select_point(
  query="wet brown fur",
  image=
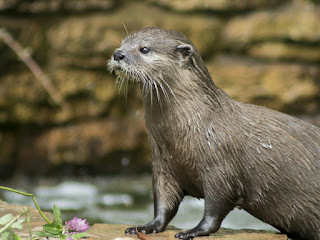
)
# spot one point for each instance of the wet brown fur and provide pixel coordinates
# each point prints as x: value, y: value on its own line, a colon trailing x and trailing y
x: 206, y: 145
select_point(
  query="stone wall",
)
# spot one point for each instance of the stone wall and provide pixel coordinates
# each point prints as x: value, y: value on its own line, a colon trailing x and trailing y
x: 265, y: 52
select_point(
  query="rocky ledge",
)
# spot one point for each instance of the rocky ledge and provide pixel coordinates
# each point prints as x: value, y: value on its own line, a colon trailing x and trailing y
x: 116, y: 232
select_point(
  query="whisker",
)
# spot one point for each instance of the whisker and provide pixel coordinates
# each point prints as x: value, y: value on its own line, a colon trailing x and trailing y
x: 126, y: 91
x: 121, y: 82
x: 153, y: 83
x: 150, y: 86
x: 157, y: 91
x: 163, y: 91
x: 168, y: 86
x: 125, y: 28
x: 150, y: 91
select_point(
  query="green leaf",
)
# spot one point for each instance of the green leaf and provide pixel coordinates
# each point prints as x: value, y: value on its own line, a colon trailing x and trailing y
x: 79, y: 235
x: 57, y: 215
x: 53, y: 228
x: 46, y: 234
x: 18, y: 224
x: 7, y: 235
x: 40, y: 234
x: 6, y: 218
x: 16, y: 237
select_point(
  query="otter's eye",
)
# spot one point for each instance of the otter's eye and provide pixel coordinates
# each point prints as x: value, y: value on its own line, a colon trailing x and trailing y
x: 144, y: 50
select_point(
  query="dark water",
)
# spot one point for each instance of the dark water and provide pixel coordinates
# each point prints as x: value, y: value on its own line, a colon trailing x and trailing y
x: 117, y: 200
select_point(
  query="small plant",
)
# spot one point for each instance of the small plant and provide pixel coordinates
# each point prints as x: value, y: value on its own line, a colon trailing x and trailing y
x: 73, y: 229
x: 9, y: 222
x: 76, y: 226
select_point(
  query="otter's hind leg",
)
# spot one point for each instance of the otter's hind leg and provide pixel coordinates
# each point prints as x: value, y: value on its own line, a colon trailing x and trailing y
x: 214, y: 213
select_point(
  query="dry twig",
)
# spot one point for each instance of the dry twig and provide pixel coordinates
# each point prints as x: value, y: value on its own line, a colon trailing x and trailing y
x: 142, y: 236
x: 34, y: 68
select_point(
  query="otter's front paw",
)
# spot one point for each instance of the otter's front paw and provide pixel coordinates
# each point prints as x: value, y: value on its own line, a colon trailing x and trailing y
x: 192, y: 233
x: 143, y: 229
x: 186, y: 235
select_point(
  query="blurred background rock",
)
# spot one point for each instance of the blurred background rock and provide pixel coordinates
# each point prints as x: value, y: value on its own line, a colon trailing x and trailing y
x: 265, y: 52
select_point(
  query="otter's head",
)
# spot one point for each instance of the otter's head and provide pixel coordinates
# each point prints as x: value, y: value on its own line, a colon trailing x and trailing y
x: 157, y: 58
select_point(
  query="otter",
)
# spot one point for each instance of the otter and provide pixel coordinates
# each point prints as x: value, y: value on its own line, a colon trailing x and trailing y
x: 207, y: 145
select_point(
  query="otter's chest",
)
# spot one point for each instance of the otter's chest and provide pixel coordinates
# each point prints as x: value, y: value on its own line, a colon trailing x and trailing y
x: 180, y: 153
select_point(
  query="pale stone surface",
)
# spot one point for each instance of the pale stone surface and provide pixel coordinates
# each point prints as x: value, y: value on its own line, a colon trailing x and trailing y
x: 113, y: 232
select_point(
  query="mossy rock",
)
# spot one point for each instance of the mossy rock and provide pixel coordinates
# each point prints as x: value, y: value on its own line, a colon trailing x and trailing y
x: 297, y: 23
x: 44, y: 6
x: 285, y: 51
x: 281, y: 86
x: 88, y: 41
x: 220, y: 5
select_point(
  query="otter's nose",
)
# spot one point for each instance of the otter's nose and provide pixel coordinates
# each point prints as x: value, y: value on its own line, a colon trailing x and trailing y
x: 118, y: 55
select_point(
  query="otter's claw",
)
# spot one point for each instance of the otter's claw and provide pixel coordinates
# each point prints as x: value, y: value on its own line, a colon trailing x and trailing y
x: 142, y: 229
x: 185, y: 235
x: 131, y: 230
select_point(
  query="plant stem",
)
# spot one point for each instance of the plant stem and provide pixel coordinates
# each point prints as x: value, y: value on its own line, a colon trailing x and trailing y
x: 29, y: 195
x: 34, y: 68
x: 12, y: 222
x: 28, y: 222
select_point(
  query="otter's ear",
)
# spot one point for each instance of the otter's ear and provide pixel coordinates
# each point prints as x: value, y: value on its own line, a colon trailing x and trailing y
x: 184, y: 51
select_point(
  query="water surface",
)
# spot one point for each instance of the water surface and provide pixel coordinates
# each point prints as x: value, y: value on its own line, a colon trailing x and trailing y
x: 117, y: 200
